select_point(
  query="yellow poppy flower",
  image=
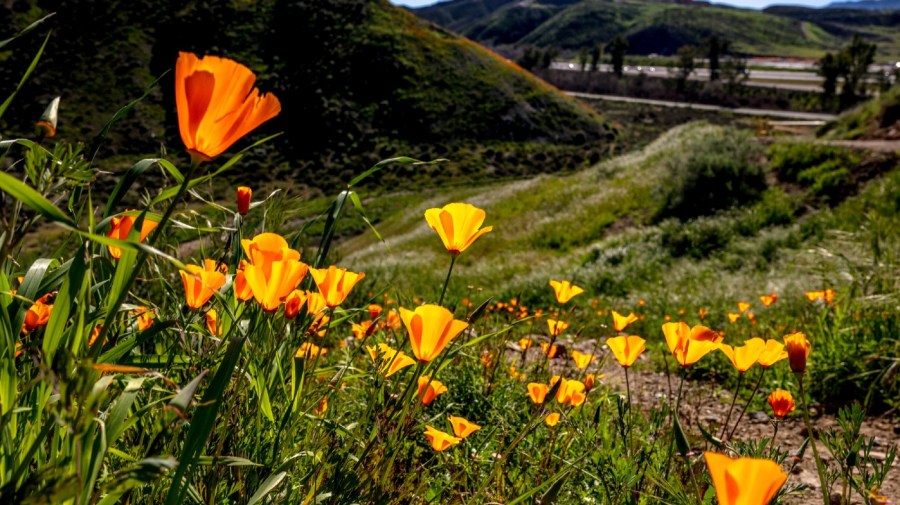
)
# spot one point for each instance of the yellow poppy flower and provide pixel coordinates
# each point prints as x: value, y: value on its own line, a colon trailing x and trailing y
x: 621, y: 322
x: 798, y: 348
x: 745, y: 356
x: 431, y: 328
x: 744, y: 481
x: 688, y: 345
x: 463, y: 428
x: 565, y: 291
x: 430, y: 389
x: 335, y: 283
x: 457, y: 224
x: 439, y: 440
x: 626, y: 349
x: 201, y: 283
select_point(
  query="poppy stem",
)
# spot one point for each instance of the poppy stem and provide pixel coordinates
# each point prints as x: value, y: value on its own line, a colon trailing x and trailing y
x: 747, y: 406
x: 674, y: 413
x: 820, y: 468
x: 447, y: 280
x: 733, y: 401
x: 627, y: 414
x: 775, y: 433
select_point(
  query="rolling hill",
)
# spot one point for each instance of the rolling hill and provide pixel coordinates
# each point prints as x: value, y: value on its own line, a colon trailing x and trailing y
x: 360, y: 80
x: 650, y: 26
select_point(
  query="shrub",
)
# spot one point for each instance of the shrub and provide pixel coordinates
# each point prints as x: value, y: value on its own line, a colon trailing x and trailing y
x: 696, y: 239
x: 714, y: 171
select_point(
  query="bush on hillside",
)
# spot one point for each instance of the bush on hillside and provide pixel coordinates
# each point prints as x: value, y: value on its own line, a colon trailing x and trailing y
x: 825, y: 170
x: 717, y: 170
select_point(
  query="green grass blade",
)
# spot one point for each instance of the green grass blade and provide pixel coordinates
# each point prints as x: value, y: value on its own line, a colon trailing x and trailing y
x: 34, y: 62
x: 33, y: 200
x: 26, y: 30
x: 202, y: 422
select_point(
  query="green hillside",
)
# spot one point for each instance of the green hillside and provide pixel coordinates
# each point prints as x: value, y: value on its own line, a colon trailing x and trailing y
x: 652, y: 26
x: 360, y: 81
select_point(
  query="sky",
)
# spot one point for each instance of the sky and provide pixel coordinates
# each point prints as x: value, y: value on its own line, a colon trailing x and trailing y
x: 753, y: 4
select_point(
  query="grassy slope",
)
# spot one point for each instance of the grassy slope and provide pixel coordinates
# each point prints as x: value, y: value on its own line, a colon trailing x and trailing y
x: 651, y: 27
x: 372, y: 81
x: 870, y: 120
x: 593, y: 227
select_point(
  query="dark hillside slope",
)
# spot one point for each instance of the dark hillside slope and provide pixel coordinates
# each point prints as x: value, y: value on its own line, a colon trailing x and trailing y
x: 360, y: 80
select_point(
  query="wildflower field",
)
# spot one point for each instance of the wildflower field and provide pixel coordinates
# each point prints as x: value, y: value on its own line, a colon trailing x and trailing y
x: 174, y: 348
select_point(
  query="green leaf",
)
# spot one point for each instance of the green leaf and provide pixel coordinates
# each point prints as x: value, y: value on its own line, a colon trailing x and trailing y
x: 182, y: 400
x: 65, y: 300
x: 34, y: 62
x: 403, y: 160
x: 266, y: 487
x: 681, y: 441
x: 126, y: 180
x: 202, y: 422
x: 33, y: 200
x: 354, y: 198
x: 32, y: 26
x: 98, y: 140
x: 478, y: 312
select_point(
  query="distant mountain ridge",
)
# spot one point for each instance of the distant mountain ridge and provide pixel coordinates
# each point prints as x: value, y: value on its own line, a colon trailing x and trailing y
x: 881, y: 5
x: 659, y: 27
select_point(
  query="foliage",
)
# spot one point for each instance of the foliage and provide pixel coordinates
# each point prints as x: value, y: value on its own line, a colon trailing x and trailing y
x: 716, y: 171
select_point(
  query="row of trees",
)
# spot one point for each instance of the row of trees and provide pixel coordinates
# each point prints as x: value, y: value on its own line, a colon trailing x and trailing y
x: 850, y: 64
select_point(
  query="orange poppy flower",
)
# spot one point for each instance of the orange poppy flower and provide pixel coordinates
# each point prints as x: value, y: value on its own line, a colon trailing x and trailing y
x: 19, y: 349
x: 552, y: 419
x: 565, y: 291
x: 744, y: 481
x: 374, y: 310
x: 525, y: 343
x: 273, y: 281
x: 733, y: 317
x: 362, y: 329
x: 768, y: 300
x: 439, y: 440
x: 688, y: 345
x: 703, y: 313
x: 212, y: 322
x: 144, y: 318
x: 310, y: 350
x: 335, y: 283
x: 556, y: 327
x: 430, y: 389
x: 217, y: 103
x: 589, y: 381
x: 826, y: 296
x: 621, y: 322
x: 743, y: 307
x: 773, y: 353
x: 242, y: 290
x: 570, y: 391
x: 201, y: 283
x: 745, y: 356
x: 537, y: 392
x: 782, y: 403
x: 244, y: 195
x: 431, y: 328
x: 582, y: 360
x: 457, y: 224
x: 463, y: 428
x: 626, y: 349
x: 95, y: 334
x: 293, y: 303
x: 549, y: 350
x: 321, y: 408
x: 120, y: 228
x: 393, y: 361
x: 38, y: 315
x: 798, y: 348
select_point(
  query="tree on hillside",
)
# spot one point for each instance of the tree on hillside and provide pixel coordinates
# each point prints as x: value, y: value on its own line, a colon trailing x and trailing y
x: 583, y: 58
x: 829, y: 69
x: 856, y: 59
x: 596, y: 56
x: 617, y: 47
x: 530, y: 58
x: 547, y: 58
x: 713, y: 50
x: 734, y: 71
x: 686, y: 66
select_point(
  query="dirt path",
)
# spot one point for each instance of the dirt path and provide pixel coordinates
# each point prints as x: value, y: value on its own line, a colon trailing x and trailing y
x: 881, y: 146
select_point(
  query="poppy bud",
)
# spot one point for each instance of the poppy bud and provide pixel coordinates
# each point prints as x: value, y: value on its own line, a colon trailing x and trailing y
x: 47, y: 124
x: 797, y: 347
x: 244, y: 194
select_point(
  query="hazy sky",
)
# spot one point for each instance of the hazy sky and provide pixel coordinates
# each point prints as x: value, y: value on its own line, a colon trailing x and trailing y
x: 755, y: 4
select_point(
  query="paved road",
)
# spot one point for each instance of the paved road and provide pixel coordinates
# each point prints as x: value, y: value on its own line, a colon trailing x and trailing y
x: 799, y: 81
x: 806, y: 116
